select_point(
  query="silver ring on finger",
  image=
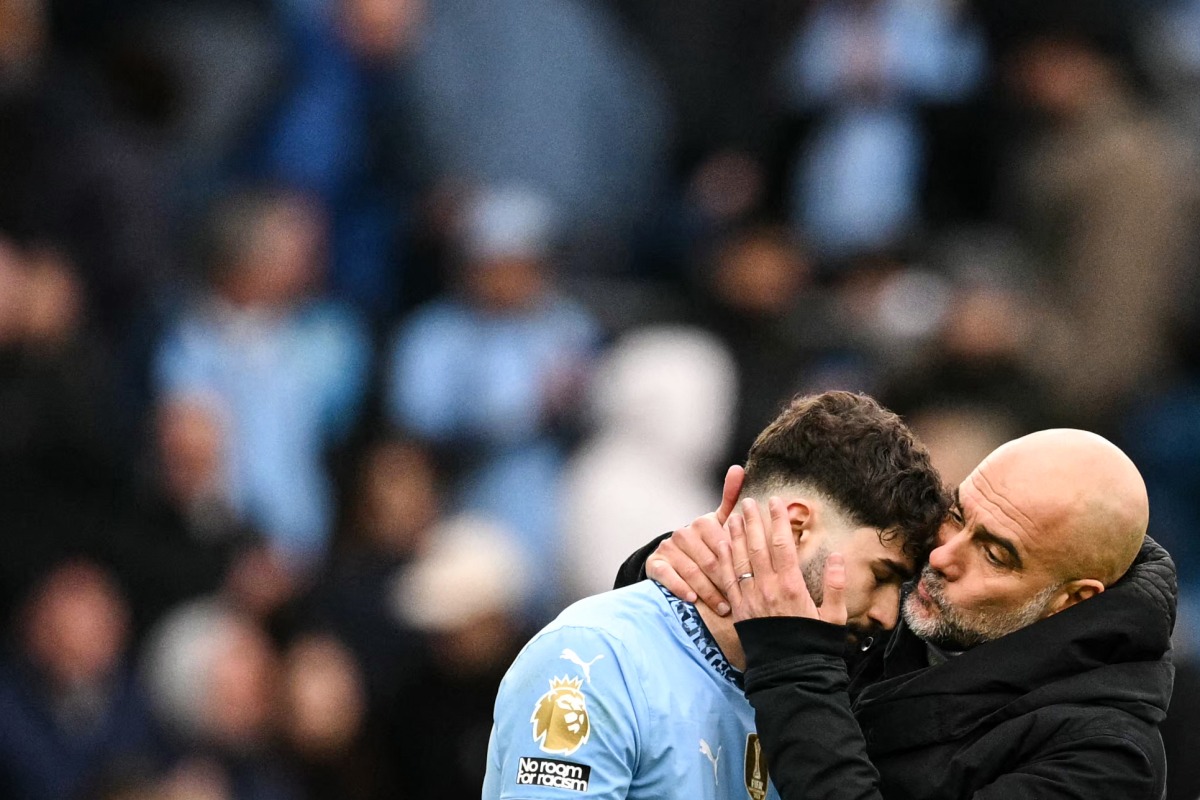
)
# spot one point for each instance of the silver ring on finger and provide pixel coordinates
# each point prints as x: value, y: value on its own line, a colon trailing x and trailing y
x: 744, y: 576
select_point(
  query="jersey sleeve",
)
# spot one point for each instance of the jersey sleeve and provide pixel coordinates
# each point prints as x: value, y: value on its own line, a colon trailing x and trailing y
x: 567, y: 720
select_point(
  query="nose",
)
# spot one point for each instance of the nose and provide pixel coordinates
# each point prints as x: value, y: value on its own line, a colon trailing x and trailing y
x: 944, y: 557
x: 886, y: 609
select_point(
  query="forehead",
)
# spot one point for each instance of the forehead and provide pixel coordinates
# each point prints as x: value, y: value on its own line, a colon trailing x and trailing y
x: 1017, y: 508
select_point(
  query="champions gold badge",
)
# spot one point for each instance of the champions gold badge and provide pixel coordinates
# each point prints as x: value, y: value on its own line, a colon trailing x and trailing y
x: 756, y: 768
x: 560, y: 718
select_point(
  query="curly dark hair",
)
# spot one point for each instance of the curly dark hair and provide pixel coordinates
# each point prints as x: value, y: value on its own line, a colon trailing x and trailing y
x: 857, y: 454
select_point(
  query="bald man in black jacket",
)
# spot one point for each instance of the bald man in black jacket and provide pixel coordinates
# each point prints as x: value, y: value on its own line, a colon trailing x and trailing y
x: 1032, y: 660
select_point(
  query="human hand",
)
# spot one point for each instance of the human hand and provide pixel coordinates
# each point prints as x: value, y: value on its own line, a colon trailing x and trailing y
x: 686, y: 564
x: 760, y: 572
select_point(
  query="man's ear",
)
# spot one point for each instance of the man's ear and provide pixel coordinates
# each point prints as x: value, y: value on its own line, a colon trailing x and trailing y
x: 803, y: 518
x: 1074, y: 592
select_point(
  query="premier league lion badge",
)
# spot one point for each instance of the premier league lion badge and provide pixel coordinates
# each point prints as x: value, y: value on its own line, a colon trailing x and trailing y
x: 560, y: 718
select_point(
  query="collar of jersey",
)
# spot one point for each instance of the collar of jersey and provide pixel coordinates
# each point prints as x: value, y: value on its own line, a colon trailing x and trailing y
x: 695, y: 629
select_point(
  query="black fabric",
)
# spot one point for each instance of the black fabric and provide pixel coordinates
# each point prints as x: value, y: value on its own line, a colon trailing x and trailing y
x: 1068, y: 707
x: 634, y: 569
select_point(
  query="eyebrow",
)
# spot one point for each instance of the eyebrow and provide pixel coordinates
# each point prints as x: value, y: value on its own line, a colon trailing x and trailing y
x: 898, y: 569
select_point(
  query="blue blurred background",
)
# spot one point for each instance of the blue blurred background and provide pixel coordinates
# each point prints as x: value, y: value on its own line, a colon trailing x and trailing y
x: 344, y: 342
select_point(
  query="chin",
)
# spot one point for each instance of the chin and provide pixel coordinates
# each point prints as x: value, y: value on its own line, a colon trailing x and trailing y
x: 915, y: 611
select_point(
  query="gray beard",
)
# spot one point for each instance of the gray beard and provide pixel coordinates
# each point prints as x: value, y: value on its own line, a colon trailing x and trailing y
x: 951, y: 628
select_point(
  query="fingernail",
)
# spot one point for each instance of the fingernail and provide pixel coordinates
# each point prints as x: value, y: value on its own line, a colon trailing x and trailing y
x: 722, y: 609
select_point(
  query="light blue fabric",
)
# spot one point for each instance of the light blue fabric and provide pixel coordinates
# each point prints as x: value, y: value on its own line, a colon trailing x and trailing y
x: 857, y: 187
x: 925, y: 52
x: 479, y: 383
x: 541, y: 93
x: 859, y: 181
x: 292, y: 384
x: 665, y: 717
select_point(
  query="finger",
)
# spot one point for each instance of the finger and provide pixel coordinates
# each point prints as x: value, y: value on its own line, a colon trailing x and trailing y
x: 659, y: 569
x: 729, y: 495
x: 699, y: 542
x: 783, y: 543
x: 737, y: 545
x: 833, y: 607
x: 733, y: 587
x: 674, y: 567
x: 697, y: 558
x: 756, y: 541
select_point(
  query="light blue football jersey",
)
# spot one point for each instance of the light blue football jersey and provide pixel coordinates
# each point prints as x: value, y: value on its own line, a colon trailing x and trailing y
x: 625, y: 695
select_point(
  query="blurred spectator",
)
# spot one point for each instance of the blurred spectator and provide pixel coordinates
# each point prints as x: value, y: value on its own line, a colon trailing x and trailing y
x: 1104, y: 193
x: 663, y: 408
x: 82, y: 168
x: 214, y: 677
x: 377, y: 655
x: 339, y: 133
x: 466, y: 593
x: 719, y: 64
x: 181, y: 534
x: 890, y: 308
x: 288, y: 370
x: 74, y: 715
x: 978, y: 358
x: 60, y: 461
x: 762, y: 301
x: 393, y: 507
x: 52, y: 379
x: 493, y: 374
x: 324, y: 717
x: 861, y: 71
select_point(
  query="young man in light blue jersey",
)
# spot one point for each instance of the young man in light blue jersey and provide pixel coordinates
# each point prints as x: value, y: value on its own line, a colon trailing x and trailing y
x: 636, y: 694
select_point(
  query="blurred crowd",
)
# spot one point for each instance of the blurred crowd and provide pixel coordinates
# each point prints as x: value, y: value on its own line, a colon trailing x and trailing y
x: 344, y: 342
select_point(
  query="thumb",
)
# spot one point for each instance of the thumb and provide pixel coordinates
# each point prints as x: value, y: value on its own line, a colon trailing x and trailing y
x: 833, y: 606
x: 729, y: 494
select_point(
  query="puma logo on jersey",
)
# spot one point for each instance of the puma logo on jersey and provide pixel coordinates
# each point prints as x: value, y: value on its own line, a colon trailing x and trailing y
x: 586, y: 666
x: 713, y: 759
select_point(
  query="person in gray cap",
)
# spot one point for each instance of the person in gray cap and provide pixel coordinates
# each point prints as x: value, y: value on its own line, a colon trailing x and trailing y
x: 489, y: 375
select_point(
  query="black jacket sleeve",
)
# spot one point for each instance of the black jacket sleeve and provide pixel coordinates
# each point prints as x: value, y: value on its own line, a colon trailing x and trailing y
x: 796, y: 680
x: 634, y: 568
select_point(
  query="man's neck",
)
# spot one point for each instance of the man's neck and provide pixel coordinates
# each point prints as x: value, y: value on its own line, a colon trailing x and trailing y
x: 723, y: 632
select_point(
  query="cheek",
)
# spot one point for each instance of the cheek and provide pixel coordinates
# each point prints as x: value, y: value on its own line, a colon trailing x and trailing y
x: 858, y: 597
x: 978, y: 592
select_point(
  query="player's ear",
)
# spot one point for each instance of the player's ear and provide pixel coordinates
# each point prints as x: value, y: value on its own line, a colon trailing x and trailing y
x: 802, y: 517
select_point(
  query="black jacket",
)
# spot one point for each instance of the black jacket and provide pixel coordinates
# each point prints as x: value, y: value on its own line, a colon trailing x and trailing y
x: 1068, y: 707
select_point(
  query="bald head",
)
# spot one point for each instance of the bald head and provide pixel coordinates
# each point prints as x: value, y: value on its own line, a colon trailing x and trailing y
x: 1082, y: 499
